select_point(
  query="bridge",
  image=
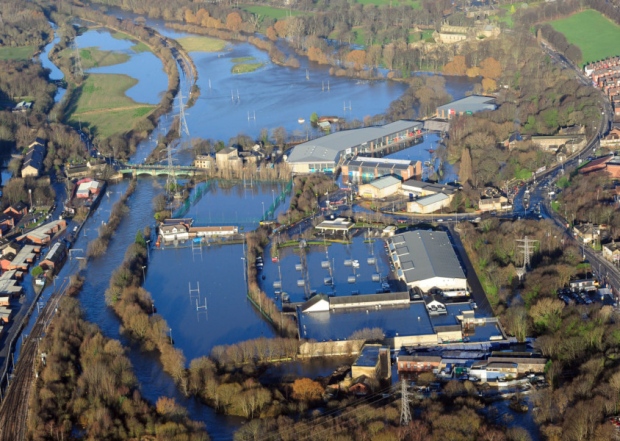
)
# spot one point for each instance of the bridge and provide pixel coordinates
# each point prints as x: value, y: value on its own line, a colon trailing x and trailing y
x: 160, y: 170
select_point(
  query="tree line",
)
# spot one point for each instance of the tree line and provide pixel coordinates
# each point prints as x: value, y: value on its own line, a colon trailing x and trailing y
x: 23, y: 24
x: 86, y: 384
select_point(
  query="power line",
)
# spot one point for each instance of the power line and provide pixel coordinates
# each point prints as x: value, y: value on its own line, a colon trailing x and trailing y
x: 182, y: 121
x: 79, y: 72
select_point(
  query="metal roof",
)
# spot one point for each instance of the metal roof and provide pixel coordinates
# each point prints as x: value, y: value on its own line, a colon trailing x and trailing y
x: 473, y: 103
x: 431, y: 199
x: 426, y: 254
x: 385, y: 182
x: 413, y: 184
x: 369, y: 356
x: 369, y: 298
x: 411, y: 319
x: 328, y: 148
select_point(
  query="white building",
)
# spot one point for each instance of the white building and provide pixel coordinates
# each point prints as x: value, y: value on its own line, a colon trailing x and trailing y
x: 426, y: 259
x: 429, y: 204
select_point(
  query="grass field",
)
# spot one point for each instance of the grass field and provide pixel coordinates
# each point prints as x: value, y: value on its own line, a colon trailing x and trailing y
x: 415, y: 4
x: 595, y: 35
x: 202, y: 44
x: 103, y: 106
x: 242, y: 59
x: 269, y: 11
x: 241, y: 68
x: 95, y: 57
x: 16, y: 53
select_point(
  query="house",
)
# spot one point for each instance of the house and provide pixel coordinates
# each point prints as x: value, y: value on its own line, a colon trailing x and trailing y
x: 55, y: 257
x: 612, y: 139
x: 8, y: 287
x: 20, y: 260
x: 611, y: 252
x: 43, y: 234
x: 204, y: 161
x: 554, y: 142
x: 360, y: 386
x: 513, y: 140
x: 17, y: 211
x: 429, y: 204
x: 174, y: 232
x: 6, y: 224
x: 526, y: 363
x: 32, y: 165
x: 5, y: 315
x: 90, y: 168
x: 373, y: 362
x: 228, y: 158
x: 416, y: 363
x: 380, y: 188
x: 588, y: 233
x: 490, y: 204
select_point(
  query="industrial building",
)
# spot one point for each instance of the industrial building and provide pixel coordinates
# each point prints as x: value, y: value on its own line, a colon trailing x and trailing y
x: 429, y: 204
x: 380, y: 188
x: 326, y: 153
x: 373, y: 362
x: 364, y: 169
x: 414, y: 188
x: 426, y: 259
x: 466, y: 106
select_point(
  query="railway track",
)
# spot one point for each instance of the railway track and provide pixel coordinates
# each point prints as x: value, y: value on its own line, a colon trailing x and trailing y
x: 14, y: 407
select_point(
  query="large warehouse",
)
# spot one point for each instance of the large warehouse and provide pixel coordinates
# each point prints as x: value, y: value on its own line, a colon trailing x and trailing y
x: 426, y: 259
x: 324, y: 154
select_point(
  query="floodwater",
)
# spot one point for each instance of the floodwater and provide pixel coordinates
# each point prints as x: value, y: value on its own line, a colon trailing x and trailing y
x: 279, y: 96
x: 55, y: 73
x: 347, y: 277
x: 143, y: 66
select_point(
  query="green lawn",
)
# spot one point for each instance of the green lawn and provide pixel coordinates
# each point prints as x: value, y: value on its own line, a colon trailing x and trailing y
x: 95, y: 57
x: 103, y: 106
x: 596, y: 36
x: 202, y: 44
x: 16, y: 53
x: 269, y: 11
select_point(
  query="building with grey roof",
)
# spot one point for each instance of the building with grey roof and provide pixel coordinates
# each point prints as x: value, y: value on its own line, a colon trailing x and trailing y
x: 325, y: 154
x: 429, y: 204
x: 426, y: 259
x: 380, y: 188
x: 364, y: 169
x: 466, y: 106
x: 415, y: 188
x: 33, y: 161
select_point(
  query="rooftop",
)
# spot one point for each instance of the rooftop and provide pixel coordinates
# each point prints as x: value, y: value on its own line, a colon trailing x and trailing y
x: 340, y: 223
x: 431, y: 199
x: 359, y: 300
x: 43, y: 231
x: 393, y: 164
x: 411, y: 319
x: 428, y: 186
x: 385, y: 182
x: 473, y: 103
x: 327, y: 148
x: 426, y: 254
x: 369, y: 356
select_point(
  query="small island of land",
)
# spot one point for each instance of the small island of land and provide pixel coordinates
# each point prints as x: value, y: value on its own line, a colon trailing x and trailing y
x: 242, y: 65
x: 202, y: 44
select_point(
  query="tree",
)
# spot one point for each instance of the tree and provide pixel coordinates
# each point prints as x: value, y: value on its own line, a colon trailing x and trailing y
x: 465, y: 169
x: 234, y: 21
x: 457, y: 66
x: 489, y: 85
x: 305, y: 389
x: 491, y: 68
